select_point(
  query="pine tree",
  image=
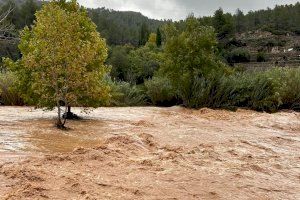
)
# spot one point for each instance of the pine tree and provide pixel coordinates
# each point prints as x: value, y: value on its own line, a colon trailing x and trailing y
x: 219, y: 20
x: 144, y: 34
x: 158, y: 38
x: 223, y: 24
x: 239, y: 21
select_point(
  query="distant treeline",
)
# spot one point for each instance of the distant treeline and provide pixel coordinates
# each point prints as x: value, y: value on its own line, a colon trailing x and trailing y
x: 121, y: 28
x: 117, y: 27
x: 280, y: 20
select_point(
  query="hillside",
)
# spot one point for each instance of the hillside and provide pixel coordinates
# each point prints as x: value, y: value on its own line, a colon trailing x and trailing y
x: 122, y: 27
x: 267, y: 50
x: 118, y: 27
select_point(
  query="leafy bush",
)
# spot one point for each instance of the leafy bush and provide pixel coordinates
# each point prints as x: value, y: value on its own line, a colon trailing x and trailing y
x: 290, y: 88
x: 261, y: 57
x: 134, y: 65
x: 238, y: 55
x: 8, y: 95
x: 160, y: 91
x: 144, y: 62
x: 124, y: 94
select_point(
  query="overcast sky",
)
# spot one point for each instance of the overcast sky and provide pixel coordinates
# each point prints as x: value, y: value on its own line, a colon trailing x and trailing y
x: 179, y: 9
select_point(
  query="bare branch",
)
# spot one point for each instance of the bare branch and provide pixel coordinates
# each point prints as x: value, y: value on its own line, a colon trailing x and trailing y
x: 4, y: 15
x: 6, y: 28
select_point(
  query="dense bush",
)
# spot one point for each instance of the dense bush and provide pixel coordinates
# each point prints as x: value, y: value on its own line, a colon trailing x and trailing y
x: 144, y: 62
x: 238, y: 55
x: 8, y: 95
x: 134, y: 65
x: 160, y: 91
x: 261, y: 56
x: 125, y: 94
x: 290, y: 88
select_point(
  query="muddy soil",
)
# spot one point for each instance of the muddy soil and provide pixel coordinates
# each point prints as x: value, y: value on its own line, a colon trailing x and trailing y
x: 150, y: 153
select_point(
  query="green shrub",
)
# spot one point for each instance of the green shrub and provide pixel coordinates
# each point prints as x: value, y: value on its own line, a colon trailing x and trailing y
x: 8, y: 95
x: 160, y: 91
x: 238, y: 55
x: 264, y: 91
x: 125, y: 94
x: 290, y: 89
x: 261, y: 57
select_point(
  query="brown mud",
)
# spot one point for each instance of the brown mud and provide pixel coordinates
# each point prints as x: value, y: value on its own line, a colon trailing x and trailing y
x: 150, y: 153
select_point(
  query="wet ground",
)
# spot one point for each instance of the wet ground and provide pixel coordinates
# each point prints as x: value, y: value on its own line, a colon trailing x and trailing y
x: 150, y: 153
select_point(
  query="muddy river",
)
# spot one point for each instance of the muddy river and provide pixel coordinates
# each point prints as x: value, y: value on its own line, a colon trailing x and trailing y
x: 150, y: 153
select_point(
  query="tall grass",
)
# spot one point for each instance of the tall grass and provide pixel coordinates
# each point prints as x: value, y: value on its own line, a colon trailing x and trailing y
x: 263, y: 91
x: 268, y: 91
x: 125, y: 94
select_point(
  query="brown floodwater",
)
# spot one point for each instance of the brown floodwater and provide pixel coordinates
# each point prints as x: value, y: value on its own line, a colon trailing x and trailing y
x: 150, y: 153
x: 26, y: 130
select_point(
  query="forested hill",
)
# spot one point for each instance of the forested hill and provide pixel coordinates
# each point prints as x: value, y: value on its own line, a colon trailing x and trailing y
x: 118, y: 27
x: 122, y: 27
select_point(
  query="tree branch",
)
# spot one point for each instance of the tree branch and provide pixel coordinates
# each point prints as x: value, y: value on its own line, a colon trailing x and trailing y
x: 4, y: 15
x: 6, y: 28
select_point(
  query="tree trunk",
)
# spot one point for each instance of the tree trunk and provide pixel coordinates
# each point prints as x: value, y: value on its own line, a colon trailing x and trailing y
x: 59, y: 123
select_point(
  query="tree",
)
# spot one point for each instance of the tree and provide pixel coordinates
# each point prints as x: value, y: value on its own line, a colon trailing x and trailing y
x: 118, y: 59
x: 63, y: 60
x: 223, y: 25
x: 158, y: 38
x: 151, y: 43
x: 189, y: 55
x: 144, y: 34
x: 143, y: 62
x: 239, y: 21
x: 219, y: 20
x: 152, y: 38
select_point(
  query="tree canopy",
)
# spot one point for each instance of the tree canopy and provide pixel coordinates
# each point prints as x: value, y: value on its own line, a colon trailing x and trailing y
x: 189, y: 55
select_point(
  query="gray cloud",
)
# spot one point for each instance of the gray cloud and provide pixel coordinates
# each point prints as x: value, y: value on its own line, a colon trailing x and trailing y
x: 179, y: 9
